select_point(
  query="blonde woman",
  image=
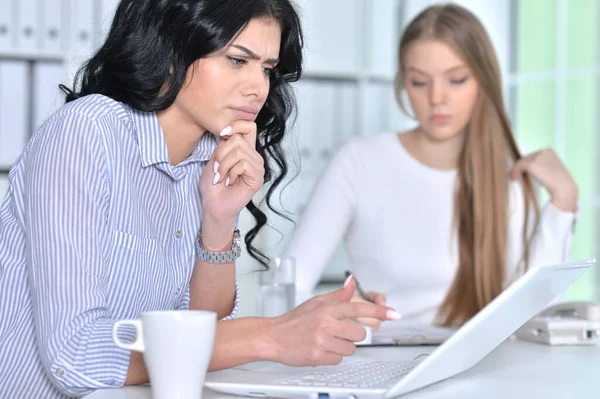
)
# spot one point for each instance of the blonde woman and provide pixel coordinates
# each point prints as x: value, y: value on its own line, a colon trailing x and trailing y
x: 438, y: 220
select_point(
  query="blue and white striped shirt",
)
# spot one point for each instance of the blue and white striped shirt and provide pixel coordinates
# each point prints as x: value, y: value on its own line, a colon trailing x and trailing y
x: 97, y: 226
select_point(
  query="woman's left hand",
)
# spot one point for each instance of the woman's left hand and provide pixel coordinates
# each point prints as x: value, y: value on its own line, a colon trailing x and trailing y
x: 547, y: 168
x: 234, y: 173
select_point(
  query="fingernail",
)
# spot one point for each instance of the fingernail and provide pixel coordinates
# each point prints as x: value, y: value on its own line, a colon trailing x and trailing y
x: 216, y: 167
x: 225, y: 131
x: 227, y: 181
x: 348, y: 280
x: 393, y: 315
x: 216, y: 178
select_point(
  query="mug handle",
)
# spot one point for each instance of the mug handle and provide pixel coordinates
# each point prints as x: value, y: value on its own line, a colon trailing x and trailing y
x: 138, y: 344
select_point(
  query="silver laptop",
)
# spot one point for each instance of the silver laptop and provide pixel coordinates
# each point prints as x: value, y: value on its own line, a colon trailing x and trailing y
x: 361, y: 378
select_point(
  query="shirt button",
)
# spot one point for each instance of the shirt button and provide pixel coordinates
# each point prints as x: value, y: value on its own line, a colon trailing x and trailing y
x: 60, y: 372
x: 177, y: 292
x: 178, y: 234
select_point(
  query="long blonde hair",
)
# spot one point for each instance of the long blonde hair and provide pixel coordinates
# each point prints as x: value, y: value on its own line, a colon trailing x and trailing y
x: 488, y: 152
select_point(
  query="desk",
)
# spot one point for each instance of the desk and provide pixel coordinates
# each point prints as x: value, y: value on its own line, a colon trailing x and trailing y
x: 516, y: 369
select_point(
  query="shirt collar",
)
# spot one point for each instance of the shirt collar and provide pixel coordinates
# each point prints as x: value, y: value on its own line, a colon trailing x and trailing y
x: 206, y: 146
x: 153, y: 145
x: 150, y: 137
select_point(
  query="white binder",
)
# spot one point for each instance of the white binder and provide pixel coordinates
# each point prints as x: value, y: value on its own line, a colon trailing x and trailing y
x: 303, y: 130
x: 347, y: 123
x: 332, y: 30
x: 28, y: 24
x: 47, y: 97
x: 7, y: 26
x: 52, y: 31
x: 378, y: 103
x: 107, y: 12
x: 384, y: 19
x: 324, y: 125
x: 81, y: 26
x: 14, y: 98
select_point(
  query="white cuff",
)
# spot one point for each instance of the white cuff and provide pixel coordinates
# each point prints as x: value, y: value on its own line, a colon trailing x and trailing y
x: 560, y: 221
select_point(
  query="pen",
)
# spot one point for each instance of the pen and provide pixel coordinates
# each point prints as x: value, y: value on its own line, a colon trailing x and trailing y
x: 359, y: 289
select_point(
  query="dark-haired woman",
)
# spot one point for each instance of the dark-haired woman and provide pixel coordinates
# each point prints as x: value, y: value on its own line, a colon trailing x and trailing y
x: 126, y: 200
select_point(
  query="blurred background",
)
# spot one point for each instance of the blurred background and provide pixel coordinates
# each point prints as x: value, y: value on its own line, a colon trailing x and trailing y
x: 549, y: 51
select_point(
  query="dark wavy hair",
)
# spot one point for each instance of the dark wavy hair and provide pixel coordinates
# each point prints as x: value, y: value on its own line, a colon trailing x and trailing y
x: 152, y: 43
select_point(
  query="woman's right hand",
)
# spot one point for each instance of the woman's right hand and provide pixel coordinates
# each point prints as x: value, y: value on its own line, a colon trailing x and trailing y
x: 376, y: 297
x: 324, y: 329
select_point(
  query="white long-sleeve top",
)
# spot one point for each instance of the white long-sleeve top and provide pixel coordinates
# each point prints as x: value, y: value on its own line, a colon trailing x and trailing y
x: 395, y: 216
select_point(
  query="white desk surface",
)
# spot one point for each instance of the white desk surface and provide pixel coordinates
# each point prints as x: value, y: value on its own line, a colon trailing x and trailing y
x: 516, y: 369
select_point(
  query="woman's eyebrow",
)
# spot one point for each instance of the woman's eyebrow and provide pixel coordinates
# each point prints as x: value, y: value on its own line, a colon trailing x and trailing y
x: 254, y: 56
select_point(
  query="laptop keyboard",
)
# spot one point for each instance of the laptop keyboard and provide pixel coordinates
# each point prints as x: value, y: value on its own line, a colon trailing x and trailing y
x: 358, y: 373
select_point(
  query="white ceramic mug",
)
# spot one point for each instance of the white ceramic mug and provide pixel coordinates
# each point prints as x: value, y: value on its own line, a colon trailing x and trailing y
x: 177, y: 347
